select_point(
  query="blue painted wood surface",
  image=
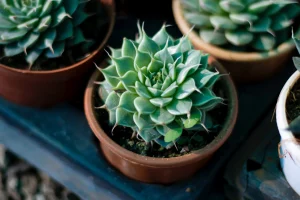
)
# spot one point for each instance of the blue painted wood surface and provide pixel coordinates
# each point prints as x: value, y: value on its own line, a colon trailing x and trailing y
x: 254, y: 172
x: 59, y: 141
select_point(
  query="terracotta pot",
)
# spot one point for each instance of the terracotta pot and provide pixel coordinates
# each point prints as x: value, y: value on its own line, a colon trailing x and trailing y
x: 290, y: 163
x: 46, y: 88
x: 160, y: 170
x: 242, y: 66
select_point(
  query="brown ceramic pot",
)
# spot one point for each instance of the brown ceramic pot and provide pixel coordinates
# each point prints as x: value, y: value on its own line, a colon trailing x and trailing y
x: 160, y: 170
x: 243, y: 67
x: 46, y: 88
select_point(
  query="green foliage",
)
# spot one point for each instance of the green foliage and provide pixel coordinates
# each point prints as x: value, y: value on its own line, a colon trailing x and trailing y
x: 158, y: 86
x: 40, y: 27
x: 258, y: 24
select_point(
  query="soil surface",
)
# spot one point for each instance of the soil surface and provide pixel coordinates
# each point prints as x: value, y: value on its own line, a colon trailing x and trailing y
x: 293, y: 102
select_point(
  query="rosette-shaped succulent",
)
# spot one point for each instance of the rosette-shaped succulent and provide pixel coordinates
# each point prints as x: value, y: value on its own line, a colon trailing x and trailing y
x: 259, y: 24
x: 158, y: 87
x: 36, y: 27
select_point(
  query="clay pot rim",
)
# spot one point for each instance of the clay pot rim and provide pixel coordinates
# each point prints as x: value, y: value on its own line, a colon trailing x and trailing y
x: 164, y: 162
x: 281, y: 116
x: 111, y: 11
x: 221, y: 53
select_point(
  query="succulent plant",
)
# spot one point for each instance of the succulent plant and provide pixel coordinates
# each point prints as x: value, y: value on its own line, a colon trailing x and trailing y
x: 256, y: 24
x: 159, y: 87
x: 295, y: 124
x: 40, y: 27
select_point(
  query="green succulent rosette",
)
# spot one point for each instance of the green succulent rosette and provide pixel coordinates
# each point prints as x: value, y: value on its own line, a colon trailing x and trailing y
x: 159, y: 87
x: 40, y: 27
x: 256, y: 24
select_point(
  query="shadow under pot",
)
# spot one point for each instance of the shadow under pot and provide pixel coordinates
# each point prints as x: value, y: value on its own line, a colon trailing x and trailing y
x: 47, y: 87
x: 157, y: 169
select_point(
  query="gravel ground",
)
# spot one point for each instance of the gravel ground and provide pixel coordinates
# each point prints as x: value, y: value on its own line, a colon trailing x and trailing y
x: 21, y: 181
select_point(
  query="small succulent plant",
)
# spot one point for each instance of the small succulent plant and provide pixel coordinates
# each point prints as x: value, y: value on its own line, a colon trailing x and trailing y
x: 244, y: 24
x: 295, y: 124
x: 158, y: 86
x: 40, y: 27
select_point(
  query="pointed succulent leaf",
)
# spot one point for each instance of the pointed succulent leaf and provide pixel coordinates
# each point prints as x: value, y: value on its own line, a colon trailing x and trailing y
x: 296, y: 41
x: 71, y: 6
x: 143, y: 121
x: 149, y: 134
x: 155, y: 65
x: 66, y: 30
x: 129, y: 80
x: 28, y: 40
x: 222, y: 22
x: 206, y: 96
x: 127, y: 101
x: 123, y: 65
x: 232, y: 6
x: 162, y: 38
x: 193, y: 59
x: 211, y: 6
x: 128, y: 49
x: 161, y: 116
x: 32, y: 56
x: 281, y: 21
x: 194, y: 118
x: 182, y: 76
x: 170, y: 91
x: 142, y: 59
x: 110, y: 74
x: 296, y: 61
x: 56, y: 51
x: 164, y: 55
x: 186, y: 89
x: 264, y: 42
x: 174, y: 132
x: 148, y: 45
x: 144, y: 106
x: 162, y: 143
x: 239, y: 38
x: 154, y: 91
x: 213, y: 37
x: 12, y: 49
x: 47, y: 39
x: 180, y: 106
x: 203, y: 77
x: 197, y: 19
x: 262, y: 25
x: 142, y: 90
x: 77, y: 38
x: 112, y: 101
x: 124, y: 118
x: 243, y: 18
x: 161, y: 102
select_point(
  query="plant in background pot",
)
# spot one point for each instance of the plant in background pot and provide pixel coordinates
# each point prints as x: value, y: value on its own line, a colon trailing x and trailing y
x: 161, y: 110
x: 251, y: 38
x: 48, y: 46
x: 288, y: 122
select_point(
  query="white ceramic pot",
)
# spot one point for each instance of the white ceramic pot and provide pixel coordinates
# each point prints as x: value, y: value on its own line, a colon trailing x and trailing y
x: 290, y: 149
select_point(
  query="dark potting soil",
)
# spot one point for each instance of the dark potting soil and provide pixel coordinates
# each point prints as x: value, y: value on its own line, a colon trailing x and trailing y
x: 94, y: 29
x: 189, y: 141
x: 293, y: 102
